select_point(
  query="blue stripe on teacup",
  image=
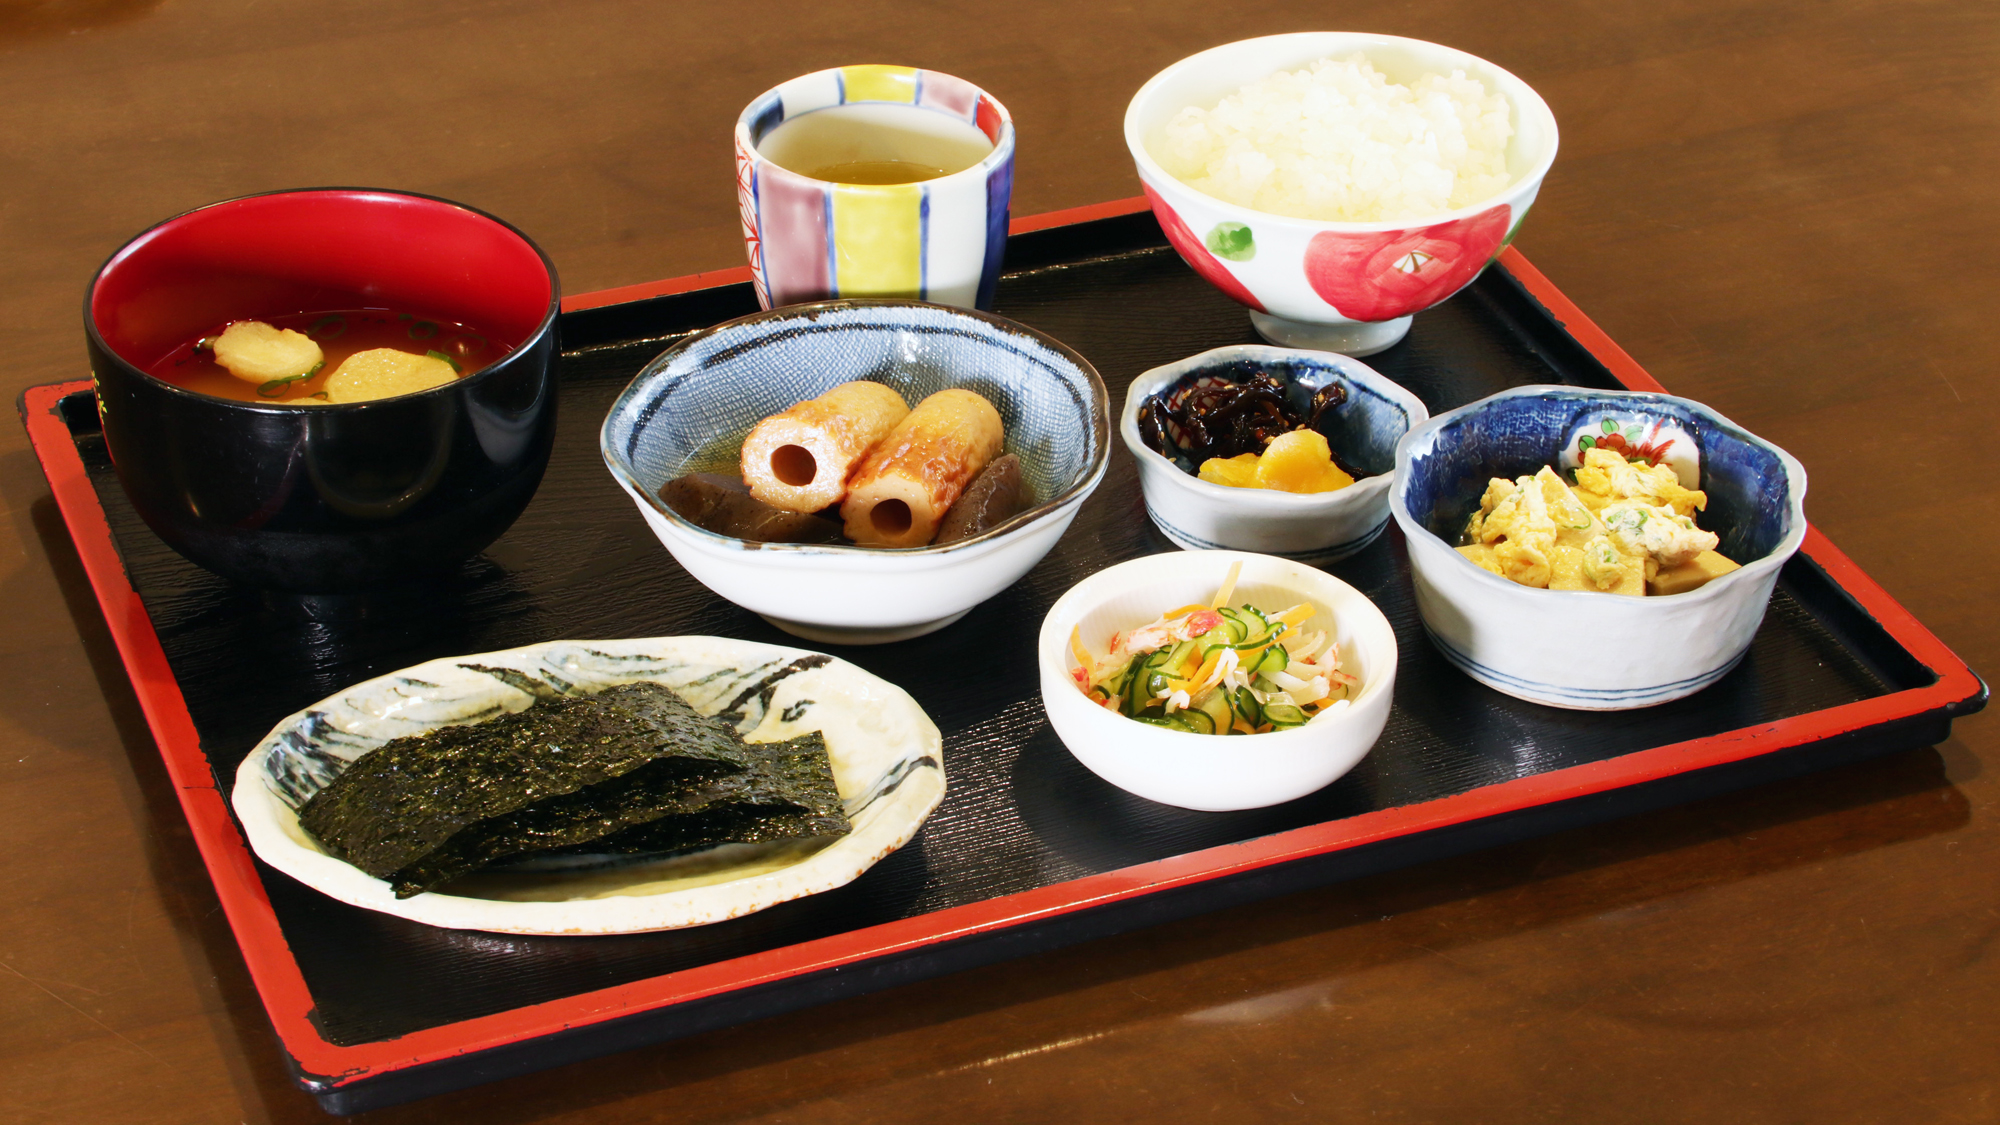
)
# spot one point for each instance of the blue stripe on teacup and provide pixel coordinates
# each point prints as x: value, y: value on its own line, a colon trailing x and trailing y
x: 956, y: 245
x: 923, y: 235
x: 999, y: 187
x: 769, y: 114
x: 1587, y: 697
x: 832, y: 244
x: 1318, y: 555
x: 758, y: 272
x: 808, y: 92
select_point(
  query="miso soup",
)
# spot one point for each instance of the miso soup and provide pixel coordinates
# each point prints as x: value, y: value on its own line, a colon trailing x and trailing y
x: 340, y: 334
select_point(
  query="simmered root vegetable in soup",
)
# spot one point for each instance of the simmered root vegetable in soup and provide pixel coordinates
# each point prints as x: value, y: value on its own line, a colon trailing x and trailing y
x: 315, y: 358
x: 259, y: 353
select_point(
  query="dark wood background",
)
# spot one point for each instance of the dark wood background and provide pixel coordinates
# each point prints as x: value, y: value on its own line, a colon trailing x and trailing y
x: 1784, y: 208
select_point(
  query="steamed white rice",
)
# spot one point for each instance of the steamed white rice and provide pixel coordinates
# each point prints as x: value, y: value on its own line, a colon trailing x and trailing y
x: 1338, y: 141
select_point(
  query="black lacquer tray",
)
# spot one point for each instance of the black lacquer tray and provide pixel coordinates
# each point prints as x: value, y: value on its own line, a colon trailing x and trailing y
x: 1029, y: 850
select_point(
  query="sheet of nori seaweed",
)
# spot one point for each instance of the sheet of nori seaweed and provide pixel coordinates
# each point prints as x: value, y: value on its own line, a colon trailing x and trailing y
x: 792, y: 780
x: 410, y: 796
x: 656, y: 789
x: 796, y: 771
x: 725, y: 824
x: 797, y: 799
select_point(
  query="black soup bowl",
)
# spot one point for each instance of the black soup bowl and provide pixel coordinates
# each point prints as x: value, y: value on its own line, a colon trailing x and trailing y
x: 326, y: 498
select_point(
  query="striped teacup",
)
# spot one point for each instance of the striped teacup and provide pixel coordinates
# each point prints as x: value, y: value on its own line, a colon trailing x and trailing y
x: 818, y: 220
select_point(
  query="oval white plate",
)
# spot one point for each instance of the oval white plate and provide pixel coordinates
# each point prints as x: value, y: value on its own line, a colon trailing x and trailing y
x: 888, y: 761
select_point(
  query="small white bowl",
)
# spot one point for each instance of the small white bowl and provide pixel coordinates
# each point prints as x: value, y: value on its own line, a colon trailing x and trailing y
x: 688, y: 410
x: 1348, y: 287
x: 1580, y: 649
x: 1315, y: 528
x: 1207, y: 772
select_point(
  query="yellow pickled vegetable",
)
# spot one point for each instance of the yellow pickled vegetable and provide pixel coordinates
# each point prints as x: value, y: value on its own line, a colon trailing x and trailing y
x: 1299, y: 461
x: 1234, y: 472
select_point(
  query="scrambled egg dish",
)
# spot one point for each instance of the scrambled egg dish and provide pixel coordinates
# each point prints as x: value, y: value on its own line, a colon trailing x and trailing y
x: 1624, y: 528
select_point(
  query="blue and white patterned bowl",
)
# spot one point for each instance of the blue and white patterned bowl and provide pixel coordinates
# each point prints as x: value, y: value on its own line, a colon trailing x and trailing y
x: 1580, y: 649
x: 690, y: 408
x: 1314, y: 528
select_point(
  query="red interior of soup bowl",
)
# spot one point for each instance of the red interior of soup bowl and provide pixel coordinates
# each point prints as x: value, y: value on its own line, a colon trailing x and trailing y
x: 303, y: 251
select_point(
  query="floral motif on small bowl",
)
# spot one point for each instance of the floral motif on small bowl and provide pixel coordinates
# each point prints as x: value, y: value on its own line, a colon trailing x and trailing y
x: 1654, y: 440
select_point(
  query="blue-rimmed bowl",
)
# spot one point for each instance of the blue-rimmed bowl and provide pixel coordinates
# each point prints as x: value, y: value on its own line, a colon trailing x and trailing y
x: 1581, y: 649
x: 690, y: 408
x: 1313, y: 528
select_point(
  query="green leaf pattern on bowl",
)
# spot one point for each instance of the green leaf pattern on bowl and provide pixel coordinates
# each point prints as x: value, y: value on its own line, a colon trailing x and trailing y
x: 1233, y: 241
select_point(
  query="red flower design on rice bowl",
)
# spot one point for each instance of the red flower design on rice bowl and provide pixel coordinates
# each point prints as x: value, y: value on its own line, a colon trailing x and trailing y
x: 1197, y: 255
x: 1380, y: 275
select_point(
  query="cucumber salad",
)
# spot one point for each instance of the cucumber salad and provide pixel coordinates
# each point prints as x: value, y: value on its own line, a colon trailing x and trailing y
x: 1217, y: 669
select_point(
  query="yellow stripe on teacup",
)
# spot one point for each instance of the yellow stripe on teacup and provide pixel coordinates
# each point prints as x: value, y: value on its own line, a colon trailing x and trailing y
x: 878, y: 239
x: 877, y: 83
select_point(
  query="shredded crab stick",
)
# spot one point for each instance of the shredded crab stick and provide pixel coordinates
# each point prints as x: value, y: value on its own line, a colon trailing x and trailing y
x: 1212, y: 669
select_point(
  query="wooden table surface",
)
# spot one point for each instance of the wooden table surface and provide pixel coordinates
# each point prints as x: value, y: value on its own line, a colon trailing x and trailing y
x: 1783, y: 208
